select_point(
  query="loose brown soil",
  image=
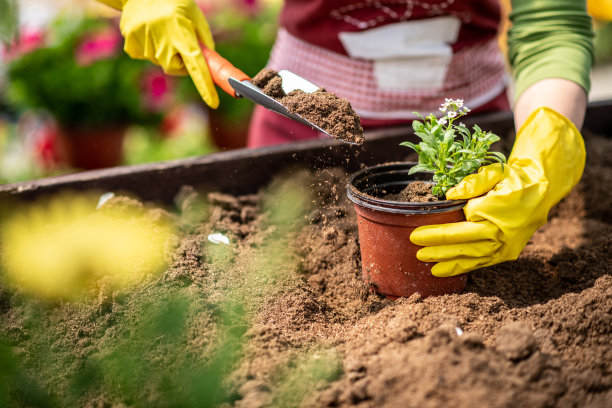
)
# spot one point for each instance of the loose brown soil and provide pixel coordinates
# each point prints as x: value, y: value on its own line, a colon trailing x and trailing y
x: 415, y: 192
x: 299, y: 327
x: 324, y: 109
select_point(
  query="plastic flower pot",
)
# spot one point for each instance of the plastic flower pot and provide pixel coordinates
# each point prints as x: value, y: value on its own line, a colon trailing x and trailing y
x: 389, y: 263
x: 92, y: 147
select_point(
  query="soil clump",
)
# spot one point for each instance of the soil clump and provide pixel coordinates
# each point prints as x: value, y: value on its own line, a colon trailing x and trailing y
x: 281, y: 316
x: 324, y: 109
x: 415, y: 192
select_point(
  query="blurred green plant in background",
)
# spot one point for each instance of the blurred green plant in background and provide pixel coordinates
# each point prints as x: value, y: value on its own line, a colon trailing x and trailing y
x: 603, y: 42
x: 183, y: 134
x: 82, y: 77
x: 72, y: 80
x: 307, y: 373
x: 75, y: 70
x: 8, y: 20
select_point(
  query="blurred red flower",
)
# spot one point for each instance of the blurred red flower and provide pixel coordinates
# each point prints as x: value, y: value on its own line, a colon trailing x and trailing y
x: 46, y: 148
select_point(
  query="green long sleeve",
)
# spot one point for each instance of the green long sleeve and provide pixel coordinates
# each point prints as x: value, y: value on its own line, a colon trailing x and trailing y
x: 550, y: 39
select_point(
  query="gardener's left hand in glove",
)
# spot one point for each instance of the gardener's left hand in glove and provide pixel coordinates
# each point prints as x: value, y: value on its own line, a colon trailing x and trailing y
x: 545, y: 164
x: 168, y: 33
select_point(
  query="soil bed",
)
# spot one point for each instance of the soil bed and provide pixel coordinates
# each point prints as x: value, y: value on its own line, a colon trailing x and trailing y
x: 415, y: 192
x: 280, y: 317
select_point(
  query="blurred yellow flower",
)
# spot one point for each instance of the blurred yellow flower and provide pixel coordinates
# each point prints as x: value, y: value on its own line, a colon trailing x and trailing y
x: 60, y: 248
x: 600, y: 9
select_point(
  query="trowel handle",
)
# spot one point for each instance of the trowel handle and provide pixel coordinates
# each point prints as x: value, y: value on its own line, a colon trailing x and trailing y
x: 222, y: 70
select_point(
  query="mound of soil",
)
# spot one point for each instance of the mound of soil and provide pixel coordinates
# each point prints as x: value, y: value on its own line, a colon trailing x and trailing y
x: 281, y: 317
x: 324, y: 109
x: 415, y: 192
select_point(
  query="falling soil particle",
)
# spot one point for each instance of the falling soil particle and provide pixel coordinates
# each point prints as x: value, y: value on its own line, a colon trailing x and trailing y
x: 324, y: 109
x: 534, y: 332
x: 415, y: 192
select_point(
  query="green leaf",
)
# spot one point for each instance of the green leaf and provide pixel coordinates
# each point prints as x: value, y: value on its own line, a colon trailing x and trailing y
x: 411, y: 145
x: 493, y: 138
x: 466, y: 151
x: 429, y: 150
x: 448, y: 135
x: 463, y: 129
x: 420, y: 167
x: 426, y: 137
x: 499, y: 156
x: 417, y: 126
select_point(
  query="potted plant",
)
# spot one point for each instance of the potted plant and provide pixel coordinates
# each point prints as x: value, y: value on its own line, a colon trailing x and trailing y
x: 393, y: 199
x: 89, y: 86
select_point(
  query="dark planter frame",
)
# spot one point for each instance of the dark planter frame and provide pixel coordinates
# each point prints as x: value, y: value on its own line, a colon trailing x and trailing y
x: 243, y: 171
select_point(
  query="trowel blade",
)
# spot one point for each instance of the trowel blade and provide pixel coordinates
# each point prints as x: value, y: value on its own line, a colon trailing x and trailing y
x: 292, y: 82
x: 247, y: 90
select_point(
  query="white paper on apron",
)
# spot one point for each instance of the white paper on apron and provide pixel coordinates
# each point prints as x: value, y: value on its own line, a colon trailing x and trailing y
x: 406, y: 55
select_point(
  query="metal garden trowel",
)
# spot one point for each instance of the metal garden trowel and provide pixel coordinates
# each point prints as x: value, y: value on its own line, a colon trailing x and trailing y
x: 237, y: 84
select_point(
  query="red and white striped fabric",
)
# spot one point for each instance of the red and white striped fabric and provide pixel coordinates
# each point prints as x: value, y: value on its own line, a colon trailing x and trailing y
x: 477, y: 74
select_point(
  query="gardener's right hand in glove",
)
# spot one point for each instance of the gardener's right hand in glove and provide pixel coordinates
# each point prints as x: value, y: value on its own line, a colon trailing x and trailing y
x: 168, y: 33
x: 545, y: 164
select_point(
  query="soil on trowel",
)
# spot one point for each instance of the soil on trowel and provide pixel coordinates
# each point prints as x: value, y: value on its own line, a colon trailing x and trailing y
x: 324, y: 109
x: 280, y: 316
x: 415, y: 192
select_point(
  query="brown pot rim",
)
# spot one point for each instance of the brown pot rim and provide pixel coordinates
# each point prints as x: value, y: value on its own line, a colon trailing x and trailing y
x: 394, y: 175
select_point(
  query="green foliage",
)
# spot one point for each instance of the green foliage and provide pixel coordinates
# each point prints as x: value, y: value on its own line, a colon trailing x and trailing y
x: 310, y: 371
x: 8, y: 20
x: 147, y: 361
x: 146, y: 144
x: 603, y: 42
x: 16, y: 383
x: 107, y: 91
x: 451, y: 151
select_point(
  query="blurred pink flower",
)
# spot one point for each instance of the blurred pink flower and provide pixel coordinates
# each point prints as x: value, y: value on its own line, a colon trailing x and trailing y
x: 99, y: 45
x: 205, y: 6
x: 45, y: 146
x: 252, y: 7
x: 158, y: 89
x: 27, y: 41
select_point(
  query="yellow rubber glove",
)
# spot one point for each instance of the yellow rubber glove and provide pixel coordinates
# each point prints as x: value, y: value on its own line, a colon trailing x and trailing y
x: 545, y: 164
x: 168, y: 33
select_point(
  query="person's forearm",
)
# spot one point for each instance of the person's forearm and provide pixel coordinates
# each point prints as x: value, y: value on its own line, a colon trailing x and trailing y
x: 550, y: 50
x: 562, y: 95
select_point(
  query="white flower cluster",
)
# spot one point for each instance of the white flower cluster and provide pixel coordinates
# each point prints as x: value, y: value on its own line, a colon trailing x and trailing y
x: 453, y: 108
